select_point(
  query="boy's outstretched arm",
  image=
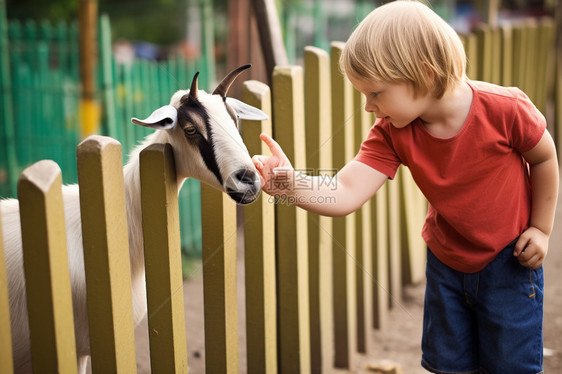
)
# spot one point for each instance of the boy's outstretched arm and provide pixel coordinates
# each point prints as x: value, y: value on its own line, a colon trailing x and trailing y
x: 532, y: 246
x: 340, y: 195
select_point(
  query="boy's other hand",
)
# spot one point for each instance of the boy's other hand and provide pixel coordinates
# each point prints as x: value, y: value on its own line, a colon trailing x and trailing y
x: 531, y: 248
x: 276, y: 172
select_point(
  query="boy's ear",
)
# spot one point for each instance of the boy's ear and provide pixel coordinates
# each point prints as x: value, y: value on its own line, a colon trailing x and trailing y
x: 163, y: 118
x: 245, y: 111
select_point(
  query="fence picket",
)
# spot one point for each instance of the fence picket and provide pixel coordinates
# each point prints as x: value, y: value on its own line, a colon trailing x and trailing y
x: 485, y: 48
x: 162, y: 254
x: 343, y: 227
x: 395, y: 242
x: 6, y: 360
x: 218, y: 219
x: 383, y: 236
x: 545, y: 58
x: 291, y: 227
x: 49, y: 299
x: 506, y: 55
x: 106, y: 255
x: 363, y: 239
x: 259, y: 253
x: 320, y: 244
x: 413, y: 210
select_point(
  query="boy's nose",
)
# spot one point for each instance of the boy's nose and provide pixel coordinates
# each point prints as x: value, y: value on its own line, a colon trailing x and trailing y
x: 370, y: 108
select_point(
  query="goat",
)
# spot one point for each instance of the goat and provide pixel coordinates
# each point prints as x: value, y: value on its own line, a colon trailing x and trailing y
x: 203, y: 131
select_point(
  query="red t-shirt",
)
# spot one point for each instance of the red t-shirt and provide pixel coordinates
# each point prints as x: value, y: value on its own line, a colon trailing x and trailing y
x: 476, y: 182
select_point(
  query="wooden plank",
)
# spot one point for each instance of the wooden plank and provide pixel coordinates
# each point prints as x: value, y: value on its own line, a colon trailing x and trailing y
x: 106, y: 255
x: 545, y: 63
x: 218, y: 220
x: 270, y: 33
x: 259, y: 249
x: 90, y: 111
x: 320, y: 245
x: 384, y: 234
x: 363, y: 236
x: 530, y: 72
x: 484, y: 36
x: 291, y: 227
x: 413, y: 207
x: 396, y: 243
x: 343, y: 227
x: 6, y: 360
x: 470, y: 43
x: 45, y: 259
x: 506, y: 55
x: 162, y: 257
x: 496, y: 50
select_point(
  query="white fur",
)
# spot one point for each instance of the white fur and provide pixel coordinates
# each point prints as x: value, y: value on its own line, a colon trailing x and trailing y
x: 232, y: 155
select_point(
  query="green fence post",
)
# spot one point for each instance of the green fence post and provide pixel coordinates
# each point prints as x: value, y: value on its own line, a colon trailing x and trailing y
x: 8, y: 165
x: 106, y: 58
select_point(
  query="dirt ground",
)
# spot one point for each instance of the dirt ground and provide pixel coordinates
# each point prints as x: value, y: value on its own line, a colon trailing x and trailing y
x: 398, y: 343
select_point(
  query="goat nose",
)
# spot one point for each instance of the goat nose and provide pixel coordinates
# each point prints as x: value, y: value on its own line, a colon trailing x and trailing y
x: 245, y: 176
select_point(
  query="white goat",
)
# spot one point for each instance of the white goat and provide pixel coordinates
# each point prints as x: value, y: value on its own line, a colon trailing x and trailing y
x: 203, y: 131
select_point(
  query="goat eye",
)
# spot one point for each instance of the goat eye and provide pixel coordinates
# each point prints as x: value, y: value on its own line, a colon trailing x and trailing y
x: 190, y: 131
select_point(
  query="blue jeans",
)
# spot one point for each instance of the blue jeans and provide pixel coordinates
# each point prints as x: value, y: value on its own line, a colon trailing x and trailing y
x: 485, y: 322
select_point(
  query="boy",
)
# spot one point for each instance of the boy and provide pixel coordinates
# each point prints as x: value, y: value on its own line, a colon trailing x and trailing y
x: 481, y: 156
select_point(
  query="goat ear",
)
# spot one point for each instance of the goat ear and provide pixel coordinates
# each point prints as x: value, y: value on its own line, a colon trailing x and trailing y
x: 245, y: 111
x: 163, y: 118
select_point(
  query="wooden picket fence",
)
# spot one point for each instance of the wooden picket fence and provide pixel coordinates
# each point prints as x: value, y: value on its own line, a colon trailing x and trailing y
x: 311, y: 282
x: 316, y: 287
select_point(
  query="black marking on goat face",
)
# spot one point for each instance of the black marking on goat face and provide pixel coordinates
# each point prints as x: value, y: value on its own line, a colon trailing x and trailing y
x: 194, y: 120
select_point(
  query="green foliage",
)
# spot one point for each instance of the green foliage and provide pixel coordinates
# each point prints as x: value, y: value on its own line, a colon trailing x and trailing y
x: 156, y: 21
x: 53, y: 10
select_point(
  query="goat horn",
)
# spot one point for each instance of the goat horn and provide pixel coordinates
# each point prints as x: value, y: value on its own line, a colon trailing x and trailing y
x: 225, y: 84
x: 194, y: 88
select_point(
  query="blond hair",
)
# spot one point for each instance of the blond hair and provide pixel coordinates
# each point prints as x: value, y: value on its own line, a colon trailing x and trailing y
x: 405, y: 41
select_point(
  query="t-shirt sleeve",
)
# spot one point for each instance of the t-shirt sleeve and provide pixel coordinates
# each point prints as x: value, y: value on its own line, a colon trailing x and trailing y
x: 377, y: 151
x: 528, y: 124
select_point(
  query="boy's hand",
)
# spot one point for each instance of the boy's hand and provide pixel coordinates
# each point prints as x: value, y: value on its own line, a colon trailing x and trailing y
x: 276, y: 172
x: 531, y: 248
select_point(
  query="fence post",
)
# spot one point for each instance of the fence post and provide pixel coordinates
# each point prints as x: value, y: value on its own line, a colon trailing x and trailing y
x: 320, y: 244
x: 506, y: 55
x: 485, y: 49
x: 218, y: 222
x: 106, y: 255
x: 545, y: 56
x: 6, y: 360
x: 364, y: 244
x: 259, y: 253
x: 471, y: 49
x: 162, y: 256
x: 413, y: 210
x: 384, y: 235
x: 343, y: 227
x: 106, y: 65
x: 45, y: 259
x: 395, y: 244
x: 291, y: 227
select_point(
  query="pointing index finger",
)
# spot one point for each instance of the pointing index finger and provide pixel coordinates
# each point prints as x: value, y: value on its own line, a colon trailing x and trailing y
x: 274, y: 147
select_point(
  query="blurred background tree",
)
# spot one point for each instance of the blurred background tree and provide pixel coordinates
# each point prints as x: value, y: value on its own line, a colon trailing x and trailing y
x: 156, y: 21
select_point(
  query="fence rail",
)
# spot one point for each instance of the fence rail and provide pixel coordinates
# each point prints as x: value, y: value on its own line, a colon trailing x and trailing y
x: 316, y: 287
